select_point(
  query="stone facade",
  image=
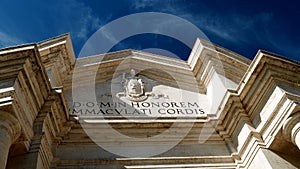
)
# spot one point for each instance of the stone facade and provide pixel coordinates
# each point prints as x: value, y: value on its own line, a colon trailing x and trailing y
x: 218, y: 109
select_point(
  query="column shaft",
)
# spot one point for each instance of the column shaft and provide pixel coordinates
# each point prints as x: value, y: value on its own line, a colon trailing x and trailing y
x: 10, y: 131
x: 296, y: 134
x: 5, y: 142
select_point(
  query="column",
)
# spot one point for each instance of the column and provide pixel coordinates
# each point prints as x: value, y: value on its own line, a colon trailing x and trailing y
x: 291, y: 128
x: 295, y: 135
x: 10, y: 130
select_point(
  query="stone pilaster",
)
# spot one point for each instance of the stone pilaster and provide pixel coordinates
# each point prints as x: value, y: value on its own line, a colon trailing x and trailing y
x: 267, y: 159
x: 291, y: 128
x: 10, y: 131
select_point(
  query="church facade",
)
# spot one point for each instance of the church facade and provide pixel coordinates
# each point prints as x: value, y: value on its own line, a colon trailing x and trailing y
x: 132, y: 109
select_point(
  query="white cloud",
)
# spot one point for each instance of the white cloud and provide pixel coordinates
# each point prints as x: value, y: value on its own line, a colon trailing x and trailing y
x: 202, y: 19
x: 141, y: 4
x: 58, y: 17
x: 232, y: 26
x: 87, y: 22
x: 79, y: 19
x: 8, y: 40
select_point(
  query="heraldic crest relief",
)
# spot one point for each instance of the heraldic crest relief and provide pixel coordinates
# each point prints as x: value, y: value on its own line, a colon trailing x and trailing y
x: 134, y: 87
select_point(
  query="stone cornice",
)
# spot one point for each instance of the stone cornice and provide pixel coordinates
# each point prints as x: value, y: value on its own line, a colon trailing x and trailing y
x: 58, y: 58
x: 204, y: 58
x: 23, y: 73
x: 22, y: 58
x: 129, y: 53
x: 157, y: 162
x: 115, y: 64
x: 206, y: 55
x: 270, y: 80
x: 64, y: 39
x: 26, y: 92
x: 277, y: 66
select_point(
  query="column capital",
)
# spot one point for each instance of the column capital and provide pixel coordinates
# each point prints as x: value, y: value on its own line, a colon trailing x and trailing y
x: 291, y: 128
x: 10, y: 124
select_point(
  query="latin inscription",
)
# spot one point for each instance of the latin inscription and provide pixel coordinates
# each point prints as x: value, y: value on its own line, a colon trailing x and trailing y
x: 137, y: 108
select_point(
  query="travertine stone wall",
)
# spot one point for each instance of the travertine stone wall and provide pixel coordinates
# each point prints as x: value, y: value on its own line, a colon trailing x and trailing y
x: 267, y: 159
x: 37, y: 111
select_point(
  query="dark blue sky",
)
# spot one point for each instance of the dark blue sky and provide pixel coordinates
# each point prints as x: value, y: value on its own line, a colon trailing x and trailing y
x: 243, y: 27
